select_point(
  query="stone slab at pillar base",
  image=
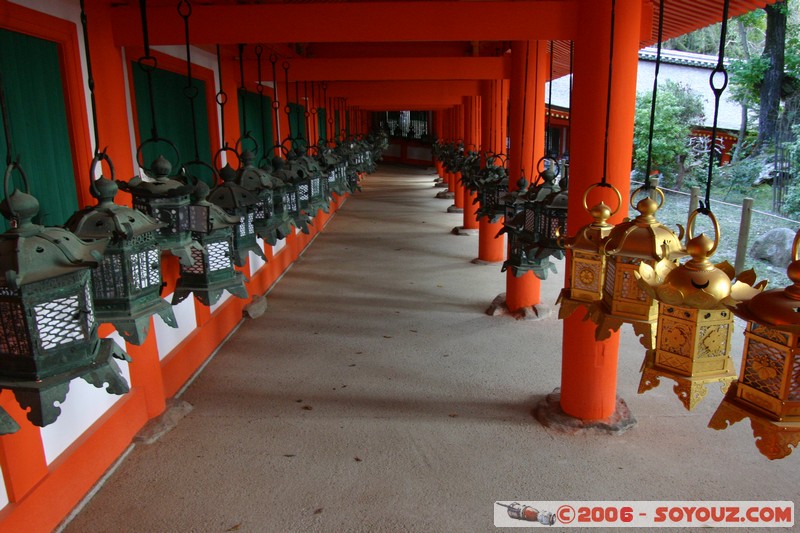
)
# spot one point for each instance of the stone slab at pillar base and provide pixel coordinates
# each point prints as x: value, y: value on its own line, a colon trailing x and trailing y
x: 549, y: 413
x: 498, y: 307
x: 440, y: 183
x: 454, y: 209
x: 445, y: 195
x: 479, y: 261
x: 466, y: 232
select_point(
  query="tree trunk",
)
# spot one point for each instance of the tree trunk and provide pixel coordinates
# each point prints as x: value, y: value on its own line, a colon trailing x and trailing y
x: 737, y: 151
x: 770, y: 93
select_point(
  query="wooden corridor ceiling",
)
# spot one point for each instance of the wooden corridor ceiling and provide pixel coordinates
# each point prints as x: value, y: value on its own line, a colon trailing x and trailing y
x: 354, y: 40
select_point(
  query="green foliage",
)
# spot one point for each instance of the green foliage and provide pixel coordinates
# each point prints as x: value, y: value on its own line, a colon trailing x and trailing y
x: 678, y: 108
x: 746, y: 78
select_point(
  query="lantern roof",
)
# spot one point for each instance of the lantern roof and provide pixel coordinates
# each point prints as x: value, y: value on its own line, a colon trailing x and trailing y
x: 30, y: 252
x: 108, y: 219
x: 229, y: 194
x: 644, y: 237
x: 161, y: 185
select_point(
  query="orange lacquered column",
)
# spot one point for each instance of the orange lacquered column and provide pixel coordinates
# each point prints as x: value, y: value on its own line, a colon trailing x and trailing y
x: 589, y: 367
x: 528, y: 74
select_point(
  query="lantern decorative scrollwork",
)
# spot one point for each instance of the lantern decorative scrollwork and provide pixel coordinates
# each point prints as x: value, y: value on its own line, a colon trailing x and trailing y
x: 768, y: 388
x: 694, y: 325
x: 643, y: 239
x: 587, y: 262
x: 48, y: 330
x: 294, y: 195
x: 238, y: 202
x: 527, y: 227
x: 127, y: 284
x: 211, y: 271
x: 166, y: 199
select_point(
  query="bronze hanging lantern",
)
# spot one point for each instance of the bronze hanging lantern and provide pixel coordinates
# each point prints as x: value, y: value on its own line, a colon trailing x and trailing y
x: 166, y: 199
x: 694, y: 325
x: 526, y: 231
x: 768, y: 388
x: 630, y: 243
x: 212, y: 269
x: 127, y: 284
x: 294, y: 195
x: 587, y: 262
x: 48, y: 331
x: 238, y: 202
x: 318, y: 183
x: 261, y: 183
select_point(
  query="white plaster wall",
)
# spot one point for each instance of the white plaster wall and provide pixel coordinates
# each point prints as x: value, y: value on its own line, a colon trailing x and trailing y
x: 280, y: 245
x: 256, y: 262
x: 697, y: 79
x: 84, y: 405
x: 168, y: 338
x: 222, y: 300
x: 3, y: 493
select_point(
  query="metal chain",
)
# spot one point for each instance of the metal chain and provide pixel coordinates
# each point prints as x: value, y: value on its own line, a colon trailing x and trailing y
x: 548, y: 134
x: 148, y: 64
x: 603, y: 182
x: 242, y: 88
x: 6, y: 121
x: 705, y: 208
x: 655, y: 92
x: 190, y: 91
x: 260, y: 88
x: 221, y: 97
x: 90, y: 78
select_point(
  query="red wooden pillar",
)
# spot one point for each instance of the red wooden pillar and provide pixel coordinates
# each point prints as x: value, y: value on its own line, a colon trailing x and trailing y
x: 589, y: 367
x: 471, y: 141
x: 451, y: 137
x: 494, y: 130
x: 458, y: 188
x: 529, y: 67
x: 438, y: 135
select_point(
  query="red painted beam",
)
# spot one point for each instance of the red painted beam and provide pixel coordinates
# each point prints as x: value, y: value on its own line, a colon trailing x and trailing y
x: 353, y: 22
x: 407, y: 68
x: 404, y: 94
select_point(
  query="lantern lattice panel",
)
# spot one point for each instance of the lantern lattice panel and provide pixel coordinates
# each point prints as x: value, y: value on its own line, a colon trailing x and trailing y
x: 303, y: 191
x: 218, y: 256
x: 588, y: 272
x: 794, y: 386
x: 246, y: 226
x: 107, y: 279
x: 315, y: 192
x: 530, y: 221
x: 289, y: 202
x: 14, y: 337
x: 764, y: 368
x: 145, y: 269
x: 197, y: 264
x: 55, y: 321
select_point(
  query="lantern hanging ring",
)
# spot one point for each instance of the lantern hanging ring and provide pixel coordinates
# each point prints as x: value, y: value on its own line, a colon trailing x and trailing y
x: 714, y: 222
x: 646, y: 189
x: 154, y: 140
x: 541, y: 166
x: 7, y: 181
x: 227, y: 149
x: 606, y: 185
x: 201, y: 163
x: 98, y: 158
x: 239, y: 148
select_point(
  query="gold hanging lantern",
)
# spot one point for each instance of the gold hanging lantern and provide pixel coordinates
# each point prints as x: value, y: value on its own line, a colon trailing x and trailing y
x: 694, y: 325
x: 641, y: 240
x: 768, y: 388
x: 587, y: 262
